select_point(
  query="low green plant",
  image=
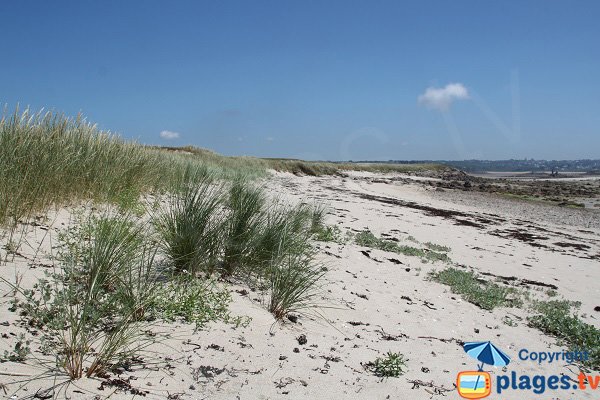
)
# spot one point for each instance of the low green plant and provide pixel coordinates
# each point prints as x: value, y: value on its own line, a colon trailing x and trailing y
x: 554, y: 318
x: 194, y: 301
x: 328, y: 233
x: 484, y: 294
x: 19, y: 352
x: 391, y: 366
x: 368, y: 239
x: 437, y: 247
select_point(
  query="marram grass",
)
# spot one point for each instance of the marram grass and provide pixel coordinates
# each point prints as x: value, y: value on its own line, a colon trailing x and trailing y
x: 49, y: 159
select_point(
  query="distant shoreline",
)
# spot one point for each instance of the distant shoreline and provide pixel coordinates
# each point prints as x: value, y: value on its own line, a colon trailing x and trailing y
x: 544, y: 175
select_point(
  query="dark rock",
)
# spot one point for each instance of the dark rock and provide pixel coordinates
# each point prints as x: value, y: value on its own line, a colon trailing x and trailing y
x: 293, y: 318
x: 302, y: 340
x: 357, y: 323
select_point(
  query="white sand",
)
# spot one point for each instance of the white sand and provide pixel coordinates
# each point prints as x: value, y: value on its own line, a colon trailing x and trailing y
x: 259, y: 362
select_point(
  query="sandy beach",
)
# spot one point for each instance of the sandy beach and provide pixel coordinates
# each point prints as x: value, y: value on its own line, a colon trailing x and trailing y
x: 323, y: 200
x: 372, y: 302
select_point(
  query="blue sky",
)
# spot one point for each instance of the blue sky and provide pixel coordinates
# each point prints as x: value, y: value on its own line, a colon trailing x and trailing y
x: 317, y: 79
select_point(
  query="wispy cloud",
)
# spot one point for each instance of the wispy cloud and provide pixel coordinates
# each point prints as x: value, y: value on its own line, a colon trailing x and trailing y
x: 442, y: 98
x: 269, y: 138
x: 169, y: 135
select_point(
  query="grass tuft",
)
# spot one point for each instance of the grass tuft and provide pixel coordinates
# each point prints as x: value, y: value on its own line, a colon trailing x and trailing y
x: 189, y: 229
x: 243, y: 223
x: 294, y: 285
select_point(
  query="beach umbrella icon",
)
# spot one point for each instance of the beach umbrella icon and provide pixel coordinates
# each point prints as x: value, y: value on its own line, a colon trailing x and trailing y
x: 486, y: 353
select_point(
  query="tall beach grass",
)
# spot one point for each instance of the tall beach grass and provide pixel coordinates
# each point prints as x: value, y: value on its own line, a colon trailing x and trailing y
x: 49, y: 159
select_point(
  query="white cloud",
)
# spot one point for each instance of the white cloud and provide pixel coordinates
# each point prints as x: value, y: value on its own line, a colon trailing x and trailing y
x: 269, y: 139
x: 442, y: 98
x: 169, y: 135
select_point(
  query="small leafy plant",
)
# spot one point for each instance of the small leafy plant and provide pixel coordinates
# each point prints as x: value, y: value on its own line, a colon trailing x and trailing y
x: 194, y: 301
x: 328, y: 233
x: 20, y: 351
x: 391, y: 366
